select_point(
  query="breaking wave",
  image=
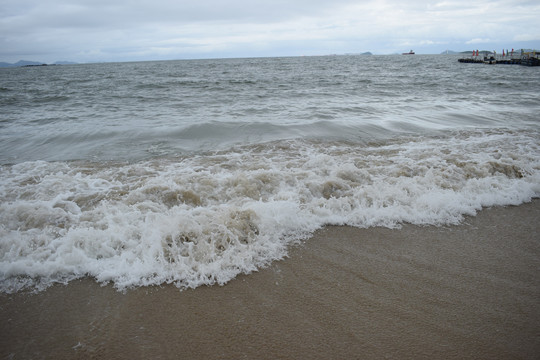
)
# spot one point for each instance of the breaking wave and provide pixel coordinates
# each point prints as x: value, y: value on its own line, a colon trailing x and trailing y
x: 203, y: 219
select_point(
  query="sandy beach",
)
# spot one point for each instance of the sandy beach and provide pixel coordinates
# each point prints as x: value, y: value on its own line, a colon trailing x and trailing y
x: 458, y: 292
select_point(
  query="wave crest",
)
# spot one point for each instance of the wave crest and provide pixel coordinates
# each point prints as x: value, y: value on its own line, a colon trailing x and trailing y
x: 204, y: 219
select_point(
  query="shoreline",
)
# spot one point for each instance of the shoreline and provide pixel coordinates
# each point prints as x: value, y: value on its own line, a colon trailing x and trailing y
x: 419, y: 292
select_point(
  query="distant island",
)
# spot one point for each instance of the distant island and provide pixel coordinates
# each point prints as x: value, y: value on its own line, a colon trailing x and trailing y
x: 468, y: 52
x: 21, y: 63
x: 482, y: 52
x: 451, y: 52
x: 364, y: 53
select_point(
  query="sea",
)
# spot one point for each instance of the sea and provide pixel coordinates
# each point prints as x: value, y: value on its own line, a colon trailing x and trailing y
x: 192, y: 172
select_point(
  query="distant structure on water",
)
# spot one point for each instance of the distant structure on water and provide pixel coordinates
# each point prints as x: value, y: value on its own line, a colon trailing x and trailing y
x: 408, y: 53
x: 526, y: 58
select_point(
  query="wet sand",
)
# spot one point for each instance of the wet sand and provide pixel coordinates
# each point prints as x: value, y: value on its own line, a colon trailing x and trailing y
x: 459, y: 292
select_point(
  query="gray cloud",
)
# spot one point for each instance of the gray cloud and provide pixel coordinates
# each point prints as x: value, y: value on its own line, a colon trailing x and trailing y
x: 96, y: 30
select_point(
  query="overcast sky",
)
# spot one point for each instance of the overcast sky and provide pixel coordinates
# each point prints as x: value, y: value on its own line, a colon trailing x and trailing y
x: 130, y: 30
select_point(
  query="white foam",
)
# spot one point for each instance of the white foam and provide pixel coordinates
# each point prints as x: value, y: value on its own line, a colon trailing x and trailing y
x: 205, y: 219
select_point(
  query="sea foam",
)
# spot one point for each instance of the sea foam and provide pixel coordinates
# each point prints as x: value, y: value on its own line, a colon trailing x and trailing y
x: 204, y: 219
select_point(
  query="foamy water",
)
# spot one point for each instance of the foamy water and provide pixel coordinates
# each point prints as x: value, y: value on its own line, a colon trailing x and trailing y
x: 224, y: 183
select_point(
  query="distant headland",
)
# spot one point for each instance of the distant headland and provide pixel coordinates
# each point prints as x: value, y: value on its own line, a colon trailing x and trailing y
x: 22, y: 63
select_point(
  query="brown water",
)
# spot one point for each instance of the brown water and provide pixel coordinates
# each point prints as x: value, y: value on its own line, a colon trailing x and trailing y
x: 459, y: 292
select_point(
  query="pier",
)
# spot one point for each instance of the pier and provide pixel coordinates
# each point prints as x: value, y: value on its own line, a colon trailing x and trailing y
x: 513, y: 58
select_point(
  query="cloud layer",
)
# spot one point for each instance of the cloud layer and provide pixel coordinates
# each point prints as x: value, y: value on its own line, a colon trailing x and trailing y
x: 121, y: 30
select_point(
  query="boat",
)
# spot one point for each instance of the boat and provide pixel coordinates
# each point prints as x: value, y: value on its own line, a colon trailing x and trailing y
x: 491, y: 60
x: 409, y: 53
x: 530, y: 59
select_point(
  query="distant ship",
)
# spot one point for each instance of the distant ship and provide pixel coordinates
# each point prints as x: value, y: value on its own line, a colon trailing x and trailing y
x: 409, y: 53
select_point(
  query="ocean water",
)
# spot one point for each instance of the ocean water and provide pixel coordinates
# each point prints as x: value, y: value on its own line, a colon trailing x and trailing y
x: 192, y: 172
